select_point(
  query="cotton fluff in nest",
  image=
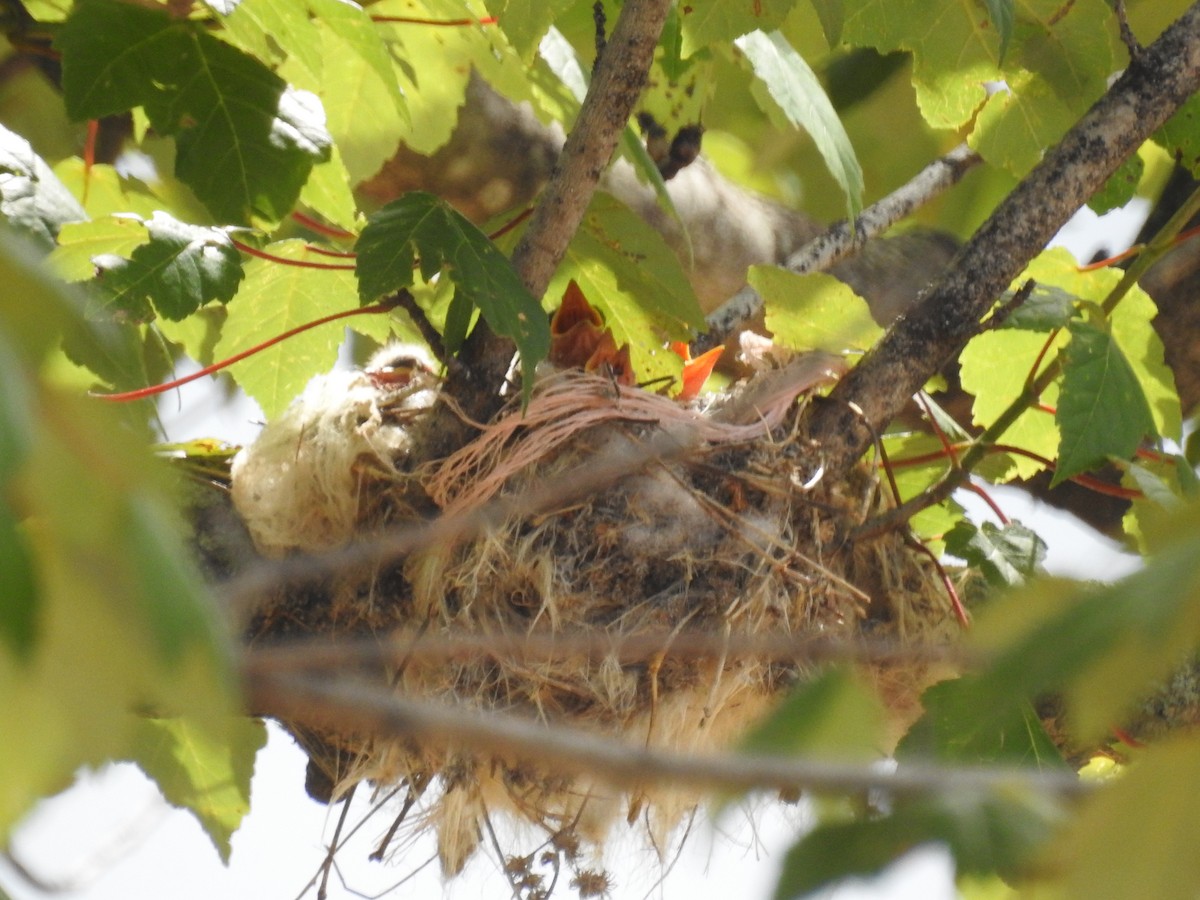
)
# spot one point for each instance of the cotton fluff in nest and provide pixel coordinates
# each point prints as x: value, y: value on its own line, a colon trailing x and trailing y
x: 297, y: 487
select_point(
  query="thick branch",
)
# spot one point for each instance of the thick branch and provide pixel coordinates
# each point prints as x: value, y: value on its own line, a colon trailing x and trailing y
x: 361, y: 708
x: 618, y: 78
x: 839, y: 242
x: 923, y: 340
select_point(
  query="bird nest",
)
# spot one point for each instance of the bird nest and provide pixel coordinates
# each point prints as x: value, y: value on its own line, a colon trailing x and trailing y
x: 601, y: 513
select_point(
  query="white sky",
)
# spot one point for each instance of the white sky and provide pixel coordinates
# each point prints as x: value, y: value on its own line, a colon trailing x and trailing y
x: 112, y: 836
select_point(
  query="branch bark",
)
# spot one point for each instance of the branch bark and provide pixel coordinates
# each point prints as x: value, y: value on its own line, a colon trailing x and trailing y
x: 363, y: 708
x: 932, y: 333
x: 618, y: 78
x: 839, y: 242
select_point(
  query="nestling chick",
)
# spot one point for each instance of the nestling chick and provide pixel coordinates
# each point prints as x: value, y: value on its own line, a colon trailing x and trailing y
x: 298, y: 486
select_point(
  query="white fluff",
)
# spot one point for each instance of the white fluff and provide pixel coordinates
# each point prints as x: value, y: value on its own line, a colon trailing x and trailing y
x: 298, y: 486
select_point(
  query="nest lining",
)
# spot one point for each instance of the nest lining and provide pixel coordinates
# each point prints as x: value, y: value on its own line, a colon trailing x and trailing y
x: 724, y: 540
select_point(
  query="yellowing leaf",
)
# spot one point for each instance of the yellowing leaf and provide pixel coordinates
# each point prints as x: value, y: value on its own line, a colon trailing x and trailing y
x: 1055, y: 65
x: 1136, y: 836
x: 208, y: 777
x: 275, y: 298
x: 79, y: 243
x: 995, y: 366
x: 437, y: 64
x: 706, y: 22
x: 813, y: 311
x: 103, y: 192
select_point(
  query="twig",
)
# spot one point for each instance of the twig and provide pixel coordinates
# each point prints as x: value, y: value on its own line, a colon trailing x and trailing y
x: 620, y: 73
x: 839, y: 241
x: 1128, y: 38
x: 404, y: 300
x: 346, y: 704
x: 1156, y: 83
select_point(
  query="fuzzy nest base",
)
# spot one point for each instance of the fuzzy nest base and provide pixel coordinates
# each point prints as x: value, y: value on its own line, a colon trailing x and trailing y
x: 733, y: 537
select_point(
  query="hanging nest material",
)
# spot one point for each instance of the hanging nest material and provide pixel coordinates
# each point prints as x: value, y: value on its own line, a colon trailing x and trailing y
x: 726, y: 529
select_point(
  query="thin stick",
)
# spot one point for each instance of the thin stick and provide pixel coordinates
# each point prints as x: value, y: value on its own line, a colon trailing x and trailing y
x: 361, y: 708
x: 839, y: 241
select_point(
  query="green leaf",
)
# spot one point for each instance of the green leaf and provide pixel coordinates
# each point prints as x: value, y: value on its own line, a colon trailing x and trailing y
x: 122, y: 624
x: 327, y: 193
x: 1019, y: 121
x: 1006, y: 555
x: 986, y: 833
x: 209, y: 778
x: 794, y: 87
x: 81, y: 243
x: 246, y: 141
x: 1000, y: 12
x: 525, y: 22
x: 421, y: 225
x: 355, y: 84
x: 1045, y: 309
x: 32, y: 199
x: 1104, y: 856
x: 1102, y: 411
x: 178, y: 270
x: 1131, y: 328
x: 832, y: 14
x: 1104, y: 649
x: 1055, y: 65
x: 1120, y: 187
x: 276, y: 298
x: 832, y: 716
x: 274, y: 30
x: 954, y: 52
x: 1180, y: 135
x: 911, y: 479
x: 813, y: 311
x: 955, y: 728
x: 708, y: 22
x: 18, y: 614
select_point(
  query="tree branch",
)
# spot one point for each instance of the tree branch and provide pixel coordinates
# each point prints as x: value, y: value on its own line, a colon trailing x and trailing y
x: 319, y: 701
x: 932, y: 333
x: 838, y: 242
x: 618, y: 78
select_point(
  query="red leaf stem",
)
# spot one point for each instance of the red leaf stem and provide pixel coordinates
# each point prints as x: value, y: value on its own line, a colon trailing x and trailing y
x: 154, y: 389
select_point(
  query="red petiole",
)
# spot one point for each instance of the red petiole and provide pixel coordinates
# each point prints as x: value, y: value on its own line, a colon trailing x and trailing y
x: 300, y: 263
x: 1135, y: 250
x: 321, y: 228
x: 406, y: 20
x: 155, y: 389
